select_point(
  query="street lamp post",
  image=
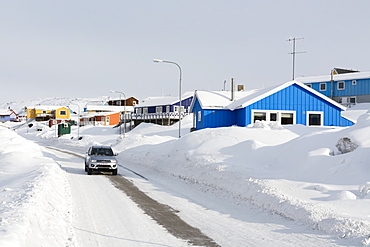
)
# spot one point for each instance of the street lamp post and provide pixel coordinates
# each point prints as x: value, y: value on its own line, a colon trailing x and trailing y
x: 164, y: 61
x: 124, y: 114
x: 78, y: 121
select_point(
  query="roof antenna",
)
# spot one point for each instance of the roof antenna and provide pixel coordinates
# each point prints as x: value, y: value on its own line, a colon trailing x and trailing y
x: 294, y: 52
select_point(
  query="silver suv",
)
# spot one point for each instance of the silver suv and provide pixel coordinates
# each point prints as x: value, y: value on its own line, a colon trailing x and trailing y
x: 101, y: 158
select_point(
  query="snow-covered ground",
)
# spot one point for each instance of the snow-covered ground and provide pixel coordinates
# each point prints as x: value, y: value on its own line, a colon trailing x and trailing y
x: 296, y: 172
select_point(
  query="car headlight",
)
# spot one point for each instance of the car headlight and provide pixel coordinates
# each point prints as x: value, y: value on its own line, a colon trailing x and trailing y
x: 93, y: 160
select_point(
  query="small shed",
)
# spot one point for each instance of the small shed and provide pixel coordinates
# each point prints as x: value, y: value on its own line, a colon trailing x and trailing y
x: 289, y: 103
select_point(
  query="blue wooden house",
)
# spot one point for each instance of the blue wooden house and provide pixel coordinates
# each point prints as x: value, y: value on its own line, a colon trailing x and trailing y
x: 289, y: 103
x: 347, y: 87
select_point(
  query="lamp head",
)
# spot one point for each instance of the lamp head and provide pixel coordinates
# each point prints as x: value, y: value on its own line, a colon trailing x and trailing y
x: 157, y: 60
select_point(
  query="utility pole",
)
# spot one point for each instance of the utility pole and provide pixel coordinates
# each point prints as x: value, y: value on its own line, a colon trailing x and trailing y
x: 294, y: 52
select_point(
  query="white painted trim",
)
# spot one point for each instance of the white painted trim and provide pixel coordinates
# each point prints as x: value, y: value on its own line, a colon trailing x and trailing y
x: 279, y: 112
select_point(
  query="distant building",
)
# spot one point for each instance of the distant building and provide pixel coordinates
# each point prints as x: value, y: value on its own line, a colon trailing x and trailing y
x: 162, y: 110
x: 346, y: 87
x: 289, y: 103
x: 45, y: 113
x: 8, y: 116
x: 121, y: 102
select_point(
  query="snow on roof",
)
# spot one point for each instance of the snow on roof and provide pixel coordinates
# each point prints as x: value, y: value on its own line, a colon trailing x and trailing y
x: 221, y: 99
x: 94, y: 114
x: 4, y: 112
x: 346, y: 76
x: 46, y: 107
x: 218, y: 99
x: 164, y: 100
x: 109, y: 108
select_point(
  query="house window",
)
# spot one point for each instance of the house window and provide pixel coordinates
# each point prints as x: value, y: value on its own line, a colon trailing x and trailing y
x: 145, y: 110
x: 283, y: 117
x: 138, y: 110
x: 322, y: 86
x: 315, y: 118
x: 341, y: 85
x: 177, y: 108
x: 63, y: 113
x: 158, y: 109
x: 261, y: 116
x: 354, y: 82
x: 199, y: 116
x: 352, y: 100
x: 287, y: 118
x: 168, y: 108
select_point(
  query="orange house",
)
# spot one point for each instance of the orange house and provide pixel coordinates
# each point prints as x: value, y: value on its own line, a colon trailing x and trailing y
x: 101, y: 118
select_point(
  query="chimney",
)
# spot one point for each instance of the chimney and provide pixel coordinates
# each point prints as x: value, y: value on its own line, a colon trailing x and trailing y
x: 232, y: 90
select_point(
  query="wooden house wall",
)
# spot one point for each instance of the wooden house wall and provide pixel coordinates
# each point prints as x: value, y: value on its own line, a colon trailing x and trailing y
x: 362, y: 87
x: 294, y: 98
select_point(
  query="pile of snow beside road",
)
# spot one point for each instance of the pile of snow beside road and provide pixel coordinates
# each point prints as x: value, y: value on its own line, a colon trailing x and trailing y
x: 293, y: 171
x: 34, y: 205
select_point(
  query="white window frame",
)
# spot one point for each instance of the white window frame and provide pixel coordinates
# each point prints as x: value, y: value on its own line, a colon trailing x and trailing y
x: 168, y: 109
x: 145, y: 110
x: 279, y: 112
x: 324, y: 84
x: 344, y: 85
x: 354, y: 82
x: 63, y: 113
x: 314, y: 112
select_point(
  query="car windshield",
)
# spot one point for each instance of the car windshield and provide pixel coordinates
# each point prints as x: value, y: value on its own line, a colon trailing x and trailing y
x: 102, y: 151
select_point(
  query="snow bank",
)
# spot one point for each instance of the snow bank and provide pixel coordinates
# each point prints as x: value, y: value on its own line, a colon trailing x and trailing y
x: 34, y: 209
x: 293, y: 171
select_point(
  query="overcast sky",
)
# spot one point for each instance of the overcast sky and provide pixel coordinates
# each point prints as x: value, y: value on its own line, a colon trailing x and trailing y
x: 85, y: 48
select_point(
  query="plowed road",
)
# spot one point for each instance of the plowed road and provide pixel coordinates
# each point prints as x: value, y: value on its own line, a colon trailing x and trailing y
x: 112, y: 211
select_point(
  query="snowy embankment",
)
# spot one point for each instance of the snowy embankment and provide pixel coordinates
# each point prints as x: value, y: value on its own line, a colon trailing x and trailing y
x: 34, y: 209
x: 294, y: 171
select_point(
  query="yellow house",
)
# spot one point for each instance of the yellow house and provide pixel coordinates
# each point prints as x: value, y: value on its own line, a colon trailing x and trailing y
x: 62, y: 113
x: 44, y: 113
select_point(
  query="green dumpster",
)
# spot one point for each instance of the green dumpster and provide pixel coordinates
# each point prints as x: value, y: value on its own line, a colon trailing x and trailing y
x: 64, y: 128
